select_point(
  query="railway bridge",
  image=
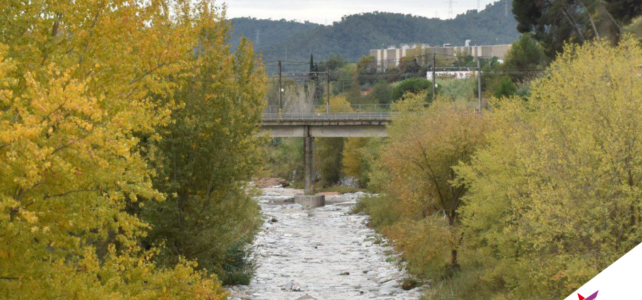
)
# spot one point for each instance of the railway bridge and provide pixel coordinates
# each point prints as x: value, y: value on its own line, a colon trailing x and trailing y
x: 353, y: 121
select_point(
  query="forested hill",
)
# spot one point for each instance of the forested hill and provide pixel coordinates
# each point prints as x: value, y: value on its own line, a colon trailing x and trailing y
x: 356, y: 34
x: 269, y: 31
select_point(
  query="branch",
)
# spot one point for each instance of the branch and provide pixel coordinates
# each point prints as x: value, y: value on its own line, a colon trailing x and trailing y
x: 71, y: 192
x: 571, y: 20
x: 597, y: 34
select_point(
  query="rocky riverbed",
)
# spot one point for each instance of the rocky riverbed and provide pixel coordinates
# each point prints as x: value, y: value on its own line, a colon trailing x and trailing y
x: 320, y: 253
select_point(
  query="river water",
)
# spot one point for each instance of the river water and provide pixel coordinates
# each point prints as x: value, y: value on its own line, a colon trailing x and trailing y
x: 320, y: 253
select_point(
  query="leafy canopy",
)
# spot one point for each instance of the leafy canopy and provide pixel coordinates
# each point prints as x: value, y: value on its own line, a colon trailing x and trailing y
x: 555, y: 198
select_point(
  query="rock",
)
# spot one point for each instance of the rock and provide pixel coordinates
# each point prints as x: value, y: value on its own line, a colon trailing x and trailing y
x: 408, y: 284
x: 271, y: 182
x: 328, y: 194
x: 314, y: 248
x: 291, y: 286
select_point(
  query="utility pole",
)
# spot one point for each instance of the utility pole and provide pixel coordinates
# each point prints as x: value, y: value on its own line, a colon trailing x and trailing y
x: 506, y: 8
x: 450, y: 8
x: 327, y: 68
x: 280, y: 92
x: 478, y: 5
x: 257, y: 40
x: 479, y: 89
x: 434, y: 75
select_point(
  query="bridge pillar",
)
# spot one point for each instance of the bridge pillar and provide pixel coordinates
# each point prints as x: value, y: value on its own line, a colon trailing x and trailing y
x: 308, y: 154
x: 309, y: 200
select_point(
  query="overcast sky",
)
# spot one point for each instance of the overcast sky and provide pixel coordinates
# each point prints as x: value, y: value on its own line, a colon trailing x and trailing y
x: 322, y: 11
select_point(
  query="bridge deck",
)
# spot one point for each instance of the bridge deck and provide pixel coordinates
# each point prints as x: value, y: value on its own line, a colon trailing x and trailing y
x: 371, y: 124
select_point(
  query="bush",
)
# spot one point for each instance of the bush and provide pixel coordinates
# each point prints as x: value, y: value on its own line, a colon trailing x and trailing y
x: 382, y: 210
x: 424, y: 244
x: 414, y: 86
x: 238, y: 264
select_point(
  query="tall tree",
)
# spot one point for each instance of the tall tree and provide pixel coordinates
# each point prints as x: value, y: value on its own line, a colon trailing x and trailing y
x: 525, y: 58
x: 76, y: 87
x: 207, y: 151
x: 555, y: 198
x: 554, y: 22
x: 425, y: 145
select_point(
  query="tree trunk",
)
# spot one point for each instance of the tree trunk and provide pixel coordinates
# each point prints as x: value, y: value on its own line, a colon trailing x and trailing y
x: 454, y: 264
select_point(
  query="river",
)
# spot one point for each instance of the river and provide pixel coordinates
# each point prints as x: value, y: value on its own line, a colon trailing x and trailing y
x: 321, y: 253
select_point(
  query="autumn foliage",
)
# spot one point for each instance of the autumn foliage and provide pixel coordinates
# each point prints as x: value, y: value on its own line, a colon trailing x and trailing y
x: 536, y: 197
x: 79, y: 90
x: 555, y: 198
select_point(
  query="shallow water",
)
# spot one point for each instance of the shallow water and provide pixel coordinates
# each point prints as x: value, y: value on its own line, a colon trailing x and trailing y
x: 326, y: 252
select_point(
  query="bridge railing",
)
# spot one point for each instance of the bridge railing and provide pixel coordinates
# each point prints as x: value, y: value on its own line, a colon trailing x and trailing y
x: 320, y: 113
x: 352, y: 108
x: 372, y: 116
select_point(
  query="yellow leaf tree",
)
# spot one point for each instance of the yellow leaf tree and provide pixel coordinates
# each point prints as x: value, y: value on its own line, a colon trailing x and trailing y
x: 425, y: 144
x: 555, y: 198
x: 76, y: 86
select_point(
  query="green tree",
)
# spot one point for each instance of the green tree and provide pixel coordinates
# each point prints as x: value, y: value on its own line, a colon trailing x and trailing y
x: 414, y: 86
x: 525, y: 58
x: 207, y: 151
x: 381, y: 92
x: 504, y: 88
x: 576, y: 21
x: 328, y: 152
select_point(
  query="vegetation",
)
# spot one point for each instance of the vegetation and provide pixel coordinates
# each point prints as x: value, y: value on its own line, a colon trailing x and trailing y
x: 555, y: 23
x: 97, y: 100
x: 555, y: 162
x: 205, y: 154
x: 355, y: 35
x: 533, y: 200
x: 417, y: 175
x: 414, y: 86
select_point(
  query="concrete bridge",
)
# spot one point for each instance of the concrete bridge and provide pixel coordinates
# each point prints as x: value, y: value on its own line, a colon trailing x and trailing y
x: 323, y: 125
x: 352, y: 122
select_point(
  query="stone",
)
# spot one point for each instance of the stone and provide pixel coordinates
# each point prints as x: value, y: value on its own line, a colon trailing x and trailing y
x: 271, y: 182
x: 310, y: 201
x: 314, y: 250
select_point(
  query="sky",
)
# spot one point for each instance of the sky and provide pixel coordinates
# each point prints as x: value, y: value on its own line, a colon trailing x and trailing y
x: 328, y: 11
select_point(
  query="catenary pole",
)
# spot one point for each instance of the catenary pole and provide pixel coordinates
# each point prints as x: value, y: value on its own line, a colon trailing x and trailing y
x: 327, y: 68
x: 434, y: 75
x: 280, y: 91
x: 479, y: 89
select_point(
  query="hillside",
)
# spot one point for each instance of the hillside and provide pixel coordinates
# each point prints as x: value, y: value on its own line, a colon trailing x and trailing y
x: 355, y: 35
x: 270, y: 31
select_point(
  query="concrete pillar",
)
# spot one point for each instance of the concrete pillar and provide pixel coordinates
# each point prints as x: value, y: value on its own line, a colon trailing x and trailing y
x: 308, y: 154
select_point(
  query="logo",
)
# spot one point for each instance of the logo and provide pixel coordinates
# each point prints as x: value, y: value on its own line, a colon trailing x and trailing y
x: 591, y: 297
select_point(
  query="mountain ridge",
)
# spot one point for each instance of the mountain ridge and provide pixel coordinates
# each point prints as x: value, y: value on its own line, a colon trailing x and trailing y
x: 355, y: 35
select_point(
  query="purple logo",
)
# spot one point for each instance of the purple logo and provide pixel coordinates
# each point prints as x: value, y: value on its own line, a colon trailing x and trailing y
x: 591, y: 297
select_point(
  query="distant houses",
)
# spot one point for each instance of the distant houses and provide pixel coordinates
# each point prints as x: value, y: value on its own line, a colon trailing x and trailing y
x: 423, y: 53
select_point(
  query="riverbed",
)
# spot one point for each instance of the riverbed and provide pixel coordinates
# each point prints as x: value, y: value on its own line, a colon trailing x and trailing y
x: 320, y: 253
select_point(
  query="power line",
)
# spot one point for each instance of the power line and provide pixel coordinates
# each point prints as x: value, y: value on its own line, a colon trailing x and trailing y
x: 257, y: 41
x: 506, y: 8
x: 450, y: 8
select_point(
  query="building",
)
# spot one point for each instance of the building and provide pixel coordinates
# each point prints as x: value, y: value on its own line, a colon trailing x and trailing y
x: 392, y: 56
